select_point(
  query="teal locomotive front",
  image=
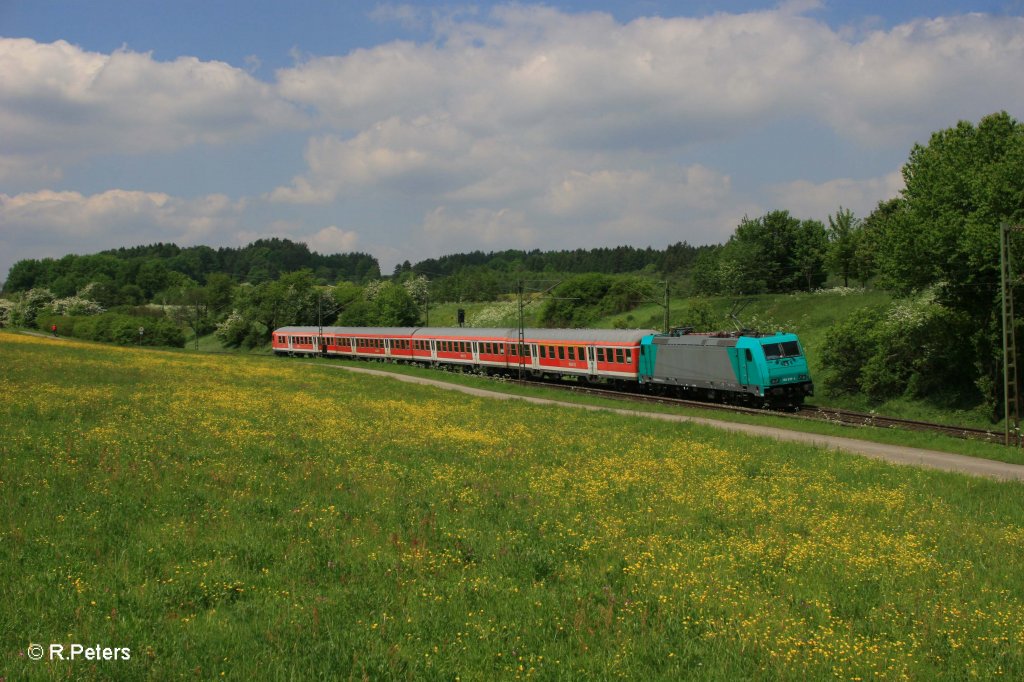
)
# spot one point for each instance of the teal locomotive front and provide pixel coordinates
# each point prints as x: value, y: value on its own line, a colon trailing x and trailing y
x: 736, y: 367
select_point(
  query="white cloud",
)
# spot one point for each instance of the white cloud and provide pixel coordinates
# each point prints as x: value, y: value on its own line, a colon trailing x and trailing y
x: 819, y: 200
x: 48, y: 223
x: 60, y: 104
x: 665, y: 191
x: 328, y: 240
x: 408, y: 16
x: 584, y: 79
x: 497, y: 229
x: 73, y: 213
x: 590, y: 209
x: 922, y: 76
x: 414, y: 157
x: 333, y: 239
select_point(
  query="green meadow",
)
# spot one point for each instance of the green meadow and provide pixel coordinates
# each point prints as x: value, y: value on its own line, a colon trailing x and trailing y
x: 246, y: 517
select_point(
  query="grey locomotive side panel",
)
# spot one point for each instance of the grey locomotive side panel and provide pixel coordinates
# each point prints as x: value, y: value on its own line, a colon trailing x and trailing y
x: 698, y: 366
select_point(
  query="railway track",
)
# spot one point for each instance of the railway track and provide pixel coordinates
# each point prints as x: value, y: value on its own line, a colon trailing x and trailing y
x: 807, y: 412
x: 847, y: 417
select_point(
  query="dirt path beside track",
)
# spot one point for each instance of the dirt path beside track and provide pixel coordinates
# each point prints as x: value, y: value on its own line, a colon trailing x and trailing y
x: 896, y: 454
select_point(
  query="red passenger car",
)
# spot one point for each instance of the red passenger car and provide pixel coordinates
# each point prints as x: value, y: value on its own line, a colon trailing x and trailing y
x: 592, y: 354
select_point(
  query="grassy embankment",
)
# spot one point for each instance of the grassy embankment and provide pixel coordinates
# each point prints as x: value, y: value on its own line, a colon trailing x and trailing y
x: 266, y: 519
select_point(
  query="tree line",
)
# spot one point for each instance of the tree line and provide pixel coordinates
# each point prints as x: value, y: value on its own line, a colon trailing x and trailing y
x: 937, y: 248
x: 780, y: 253
x: 609, y: 260
x: 135, y: 275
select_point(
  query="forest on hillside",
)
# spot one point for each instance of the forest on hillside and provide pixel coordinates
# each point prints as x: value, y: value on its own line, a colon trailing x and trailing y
x: 141, y: 274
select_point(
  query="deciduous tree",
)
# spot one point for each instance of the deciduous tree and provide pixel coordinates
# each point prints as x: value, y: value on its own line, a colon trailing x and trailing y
x: 844, y: 231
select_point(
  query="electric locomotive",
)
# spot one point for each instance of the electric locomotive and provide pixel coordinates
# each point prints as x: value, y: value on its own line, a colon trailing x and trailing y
x: 738, y: 367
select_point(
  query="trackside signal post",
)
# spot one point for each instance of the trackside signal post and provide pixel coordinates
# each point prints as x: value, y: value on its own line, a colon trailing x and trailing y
x: 1011, y: 395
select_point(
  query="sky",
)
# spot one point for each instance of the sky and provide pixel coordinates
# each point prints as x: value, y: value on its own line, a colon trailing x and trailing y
x: 410, y: 131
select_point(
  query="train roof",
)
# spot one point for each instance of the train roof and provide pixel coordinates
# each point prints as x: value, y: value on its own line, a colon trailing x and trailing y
x: 585, y: 335
x: 534, y: 334
x: 354, y: 331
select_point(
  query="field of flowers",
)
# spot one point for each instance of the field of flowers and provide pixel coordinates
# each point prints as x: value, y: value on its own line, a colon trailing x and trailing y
x: 252, y: 517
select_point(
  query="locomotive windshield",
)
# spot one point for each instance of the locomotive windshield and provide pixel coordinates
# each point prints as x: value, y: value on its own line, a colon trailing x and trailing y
x: 786, y: 349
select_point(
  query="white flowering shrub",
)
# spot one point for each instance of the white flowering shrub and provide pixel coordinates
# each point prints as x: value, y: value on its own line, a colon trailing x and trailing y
x: 907, y: 315
x: 496, y: 315
x: 419, y: 288
x: 232, y: 331
x: 6, y: 308
x: 769, y: 325
x: 372, y: 290
x: 28, y: 307
x: 840, y: 291
x: 76, y: 305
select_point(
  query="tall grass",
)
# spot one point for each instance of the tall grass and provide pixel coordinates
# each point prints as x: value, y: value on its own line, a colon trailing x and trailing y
x: 262, y: 519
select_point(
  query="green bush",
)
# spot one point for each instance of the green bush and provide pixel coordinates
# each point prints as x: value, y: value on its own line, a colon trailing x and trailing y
x: 582, y: 300
x: 849, y: 345
x: 916, y: 347
x: 115, y: 328
x: 123, y: 331
x: 65, y: 325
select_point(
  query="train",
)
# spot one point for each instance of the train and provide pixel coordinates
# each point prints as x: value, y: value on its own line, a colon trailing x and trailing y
x: 739, y: 367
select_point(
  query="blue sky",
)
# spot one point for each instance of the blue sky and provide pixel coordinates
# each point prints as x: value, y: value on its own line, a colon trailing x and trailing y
x: 414, y: 130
